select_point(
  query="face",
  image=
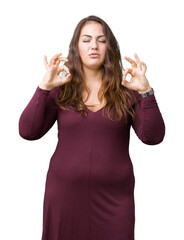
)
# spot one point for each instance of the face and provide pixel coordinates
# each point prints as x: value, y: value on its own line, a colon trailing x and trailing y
x: 92, y: 40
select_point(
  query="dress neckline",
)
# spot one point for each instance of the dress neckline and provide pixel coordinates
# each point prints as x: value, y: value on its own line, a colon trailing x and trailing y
x: 95, y: 111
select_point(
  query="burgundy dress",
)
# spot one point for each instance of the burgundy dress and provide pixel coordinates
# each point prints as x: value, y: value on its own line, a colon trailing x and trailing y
x: 89, y: 189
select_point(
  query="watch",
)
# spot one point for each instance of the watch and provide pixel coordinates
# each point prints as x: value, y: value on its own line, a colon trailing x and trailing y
x: 146, y: 94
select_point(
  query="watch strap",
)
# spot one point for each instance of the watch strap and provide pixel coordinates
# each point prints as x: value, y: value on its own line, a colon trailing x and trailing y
x: 146, y: 94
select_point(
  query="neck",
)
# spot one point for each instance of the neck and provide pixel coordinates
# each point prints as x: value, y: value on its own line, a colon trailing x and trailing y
x: 92, y: 76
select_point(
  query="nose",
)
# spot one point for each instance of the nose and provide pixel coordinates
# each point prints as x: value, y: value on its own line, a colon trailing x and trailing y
x: 94, y: 44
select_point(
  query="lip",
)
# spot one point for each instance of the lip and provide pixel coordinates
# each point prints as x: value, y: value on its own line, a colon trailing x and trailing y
x: 94, y: 55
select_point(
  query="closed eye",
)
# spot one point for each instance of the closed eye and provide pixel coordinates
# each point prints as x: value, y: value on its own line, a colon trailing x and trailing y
x: 99, y: 41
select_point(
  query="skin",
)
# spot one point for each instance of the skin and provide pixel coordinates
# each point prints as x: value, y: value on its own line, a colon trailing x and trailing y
x: 94, y: 42
x: 138, y: 81
x: 92, y: 67
x: 51, y: 78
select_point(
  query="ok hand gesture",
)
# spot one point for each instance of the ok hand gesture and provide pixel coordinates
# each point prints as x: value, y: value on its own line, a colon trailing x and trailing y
x: 138, y: 81
x: 51, y: 78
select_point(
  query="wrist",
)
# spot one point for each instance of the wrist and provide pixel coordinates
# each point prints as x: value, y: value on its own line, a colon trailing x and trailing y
x: 44, y: 87
x: 146, y: 94
x: 145, y: 91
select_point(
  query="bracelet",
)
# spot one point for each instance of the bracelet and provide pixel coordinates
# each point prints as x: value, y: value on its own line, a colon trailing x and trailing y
x: 146, y: 94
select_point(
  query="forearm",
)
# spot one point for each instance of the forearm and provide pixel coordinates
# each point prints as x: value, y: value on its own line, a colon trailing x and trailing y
x: 148, y: 122
x: 35, y: 120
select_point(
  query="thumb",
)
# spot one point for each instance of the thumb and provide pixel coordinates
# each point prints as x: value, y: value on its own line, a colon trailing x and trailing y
x: 125, y: 83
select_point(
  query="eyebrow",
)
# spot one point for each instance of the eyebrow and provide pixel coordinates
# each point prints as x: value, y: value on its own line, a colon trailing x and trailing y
x: 91, y: 36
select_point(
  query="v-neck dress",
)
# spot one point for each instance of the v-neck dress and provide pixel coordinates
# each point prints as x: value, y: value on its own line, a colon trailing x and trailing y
x: 89, y: 188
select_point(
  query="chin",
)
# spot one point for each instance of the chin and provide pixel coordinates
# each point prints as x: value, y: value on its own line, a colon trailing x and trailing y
x: 94, y: 66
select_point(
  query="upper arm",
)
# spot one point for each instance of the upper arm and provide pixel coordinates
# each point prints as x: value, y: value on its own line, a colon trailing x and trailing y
x: 39, y: 115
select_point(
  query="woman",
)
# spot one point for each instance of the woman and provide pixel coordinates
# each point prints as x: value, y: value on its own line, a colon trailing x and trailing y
x: 89, y: 191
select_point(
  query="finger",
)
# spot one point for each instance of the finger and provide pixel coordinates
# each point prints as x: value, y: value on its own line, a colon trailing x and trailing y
x: 57, y: 55
x: 62, y: 81
x: 63, y: 67
x: 133, y: 63
x: 126, y: 72
x: 66, y: 79
x: 64, y: 71
x: 144, y: 66
x: 138, y: 61
x: 125, y: 83
x: 137, y: 58
x: 57, y: 62
x: 63, y: 59
x: 46, y: 62
x: 53, y: 60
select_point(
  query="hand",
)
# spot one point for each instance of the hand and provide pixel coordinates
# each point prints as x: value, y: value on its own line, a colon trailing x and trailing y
x: 51, y: 78
x: 138, y: 81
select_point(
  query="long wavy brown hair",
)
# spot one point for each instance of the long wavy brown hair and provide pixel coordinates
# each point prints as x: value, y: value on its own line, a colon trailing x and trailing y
x: 117, y: 96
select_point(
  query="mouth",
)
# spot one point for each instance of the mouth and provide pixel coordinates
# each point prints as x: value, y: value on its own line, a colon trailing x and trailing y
x: 94, y: 55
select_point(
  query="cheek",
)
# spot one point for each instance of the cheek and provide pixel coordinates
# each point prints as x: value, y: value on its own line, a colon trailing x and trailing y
x: 84, y: 50
x: 104, y: 51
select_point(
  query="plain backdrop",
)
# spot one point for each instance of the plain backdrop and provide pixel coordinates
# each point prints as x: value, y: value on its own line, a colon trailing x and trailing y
x: 31, y: 29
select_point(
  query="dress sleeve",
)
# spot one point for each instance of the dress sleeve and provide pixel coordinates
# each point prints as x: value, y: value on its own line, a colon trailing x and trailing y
x: 39, y: 115
x: 148, y: 123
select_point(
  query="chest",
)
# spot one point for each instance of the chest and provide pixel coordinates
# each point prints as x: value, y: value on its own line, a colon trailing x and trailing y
x: 92, y: 101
